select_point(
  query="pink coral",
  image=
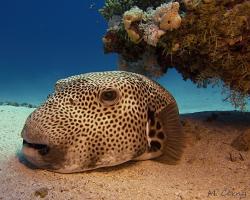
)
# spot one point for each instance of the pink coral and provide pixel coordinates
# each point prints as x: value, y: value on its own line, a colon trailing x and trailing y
x: 152, y: 34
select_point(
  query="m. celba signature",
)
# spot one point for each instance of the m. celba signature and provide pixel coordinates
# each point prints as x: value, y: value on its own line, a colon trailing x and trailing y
x: 227, y: 193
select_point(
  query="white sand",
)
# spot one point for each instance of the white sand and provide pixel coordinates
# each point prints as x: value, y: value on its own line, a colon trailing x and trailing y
x: 205, y: 172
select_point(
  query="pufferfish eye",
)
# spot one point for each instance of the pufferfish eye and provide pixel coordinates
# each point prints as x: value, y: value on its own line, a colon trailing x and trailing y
x: 109, y: 96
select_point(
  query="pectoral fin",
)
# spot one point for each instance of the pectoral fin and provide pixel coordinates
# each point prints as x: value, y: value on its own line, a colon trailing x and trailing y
x: 172, y: 128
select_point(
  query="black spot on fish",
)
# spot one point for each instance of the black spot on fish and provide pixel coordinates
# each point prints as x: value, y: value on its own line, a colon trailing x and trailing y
x: 151, y: 133
x: 155, y: 145
x: 151, y: 117
x: 158, y: 125
x: 160, y: 135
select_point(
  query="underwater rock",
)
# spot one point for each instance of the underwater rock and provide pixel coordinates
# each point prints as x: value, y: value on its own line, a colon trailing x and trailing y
x: 207, y: 41
x: 242, y: 142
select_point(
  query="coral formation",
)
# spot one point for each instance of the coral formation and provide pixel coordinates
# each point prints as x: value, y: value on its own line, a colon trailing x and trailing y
x: 152, y: 34
x: 191, y: 4
x: 118, y: 7
x: 207, y: 41
x: 163, y: 18
x: 114, y: 22
x: 167, y: 15
x: 147, y: 25
x: 133, y: 15
x: 129, y: 17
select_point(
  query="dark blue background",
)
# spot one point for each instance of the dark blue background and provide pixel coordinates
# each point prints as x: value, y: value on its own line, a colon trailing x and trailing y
x: 42, y: 41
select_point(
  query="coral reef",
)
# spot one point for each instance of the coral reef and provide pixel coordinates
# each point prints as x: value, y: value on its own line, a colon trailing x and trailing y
x: 152, y: 34
x: 16, y: 104
x: 118, y: 7
x: 207, y: 41
x: 148, y: 25
x: 129, y: 18
x: 167, y: 15
x: 133, y: 15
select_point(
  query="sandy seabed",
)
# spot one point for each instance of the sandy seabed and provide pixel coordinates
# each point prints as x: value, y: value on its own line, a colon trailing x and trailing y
x: 210, y: 169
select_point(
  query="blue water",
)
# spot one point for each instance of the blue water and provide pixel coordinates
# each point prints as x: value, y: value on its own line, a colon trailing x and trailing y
x: 43, y: 41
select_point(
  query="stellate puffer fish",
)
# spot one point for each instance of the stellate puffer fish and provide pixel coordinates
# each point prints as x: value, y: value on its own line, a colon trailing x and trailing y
x: 103, y: 119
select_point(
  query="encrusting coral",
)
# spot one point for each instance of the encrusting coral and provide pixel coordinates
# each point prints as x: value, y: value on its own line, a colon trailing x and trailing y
x: 133, y: 15
x: 152, y: 24
x: 152, y: 34
x: 118, y: 7
x: 129, y: 17
x: 191, y: 4
x: 207, y: 41
x: 164, y: 18
x: 167, y: 15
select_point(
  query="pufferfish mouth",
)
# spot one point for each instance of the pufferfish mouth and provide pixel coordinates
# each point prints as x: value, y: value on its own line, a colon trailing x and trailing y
x: 42, y: 149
